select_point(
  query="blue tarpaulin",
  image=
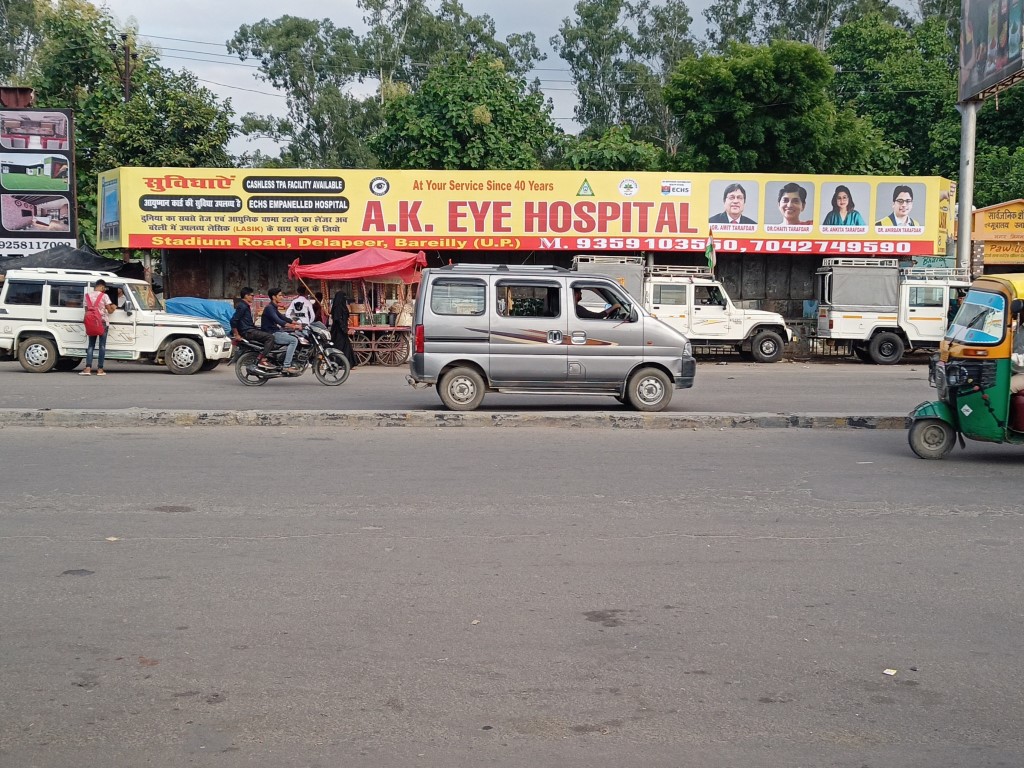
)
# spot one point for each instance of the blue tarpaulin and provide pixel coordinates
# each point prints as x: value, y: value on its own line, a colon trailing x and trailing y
x: 221, y: 311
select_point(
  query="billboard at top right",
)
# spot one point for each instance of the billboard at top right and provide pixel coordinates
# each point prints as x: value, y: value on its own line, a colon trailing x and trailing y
x: 990, y: 45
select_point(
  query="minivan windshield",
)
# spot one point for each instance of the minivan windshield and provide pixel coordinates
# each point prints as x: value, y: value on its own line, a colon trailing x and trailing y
x: 980, y: 320
x: 143, y: 296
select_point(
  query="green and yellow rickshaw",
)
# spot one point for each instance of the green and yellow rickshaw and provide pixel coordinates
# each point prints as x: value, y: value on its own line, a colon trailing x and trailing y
x: 972, y: 372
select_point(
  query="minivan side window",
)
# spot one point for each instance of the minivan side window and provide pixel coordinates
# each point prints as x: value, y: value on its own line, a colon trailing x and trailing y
x: 927, y: 297
x: 27, y: 293
x: 458, y: 297
x: 527, y: 299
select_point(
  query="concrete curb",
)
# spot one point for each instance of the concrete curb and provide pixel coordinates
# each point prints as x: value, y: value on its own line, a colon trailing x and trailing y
x: 145, y: 417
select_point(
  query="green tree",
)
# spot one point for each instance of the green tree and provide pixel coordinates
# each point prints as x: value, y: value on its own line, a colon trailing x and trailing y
x: 19, y: 36
x: 466, y: 115
x: 620, y: 54
x: 615, y: 151
x: 905, y: 81
x: 315, y: 64
x: 168, y: 119
x: 998, y: 175
x: 768, y: 109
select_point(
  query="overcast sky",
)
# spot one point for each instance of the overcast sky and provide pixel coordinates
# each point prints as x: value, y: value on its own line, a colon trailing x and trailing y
x: 191, y: 35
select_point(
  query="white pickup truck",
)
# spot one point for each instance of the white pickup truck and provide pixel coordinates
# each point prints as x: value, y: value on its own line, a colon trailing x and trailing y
x: 691, y: 300
x: 882, y: 310
x: 42, y: 324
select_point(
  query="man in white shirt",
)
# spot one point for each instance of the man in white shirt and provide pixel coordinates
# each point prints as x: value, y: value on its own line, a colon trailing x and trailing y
x: 301, y: 309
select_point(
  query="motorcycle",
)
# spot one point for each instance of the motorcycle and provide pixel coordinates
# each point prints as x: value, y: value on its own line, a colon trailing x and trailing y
x: 330, y: 366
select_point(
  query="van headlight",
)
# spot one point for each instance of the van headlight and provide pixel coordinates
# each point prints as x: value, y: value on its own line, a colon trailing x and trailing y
x: 212, y: 331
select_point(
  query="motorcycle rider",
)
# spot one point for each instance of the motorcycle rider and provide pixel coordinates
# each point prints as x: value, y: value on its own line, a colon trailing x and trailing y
x: 244, y: 327
x: 275, y: 323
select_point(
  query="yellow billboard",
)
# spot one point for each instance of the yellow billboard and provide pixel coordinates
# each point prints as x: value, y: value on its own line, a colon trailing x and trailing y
x: 571, y: 211
x: 1000, y: 222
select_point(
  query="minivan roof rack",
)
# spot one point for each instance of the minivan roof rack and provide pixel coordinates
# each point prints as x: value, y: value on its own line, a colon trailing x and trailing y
x: 502, y: 268
x: 853, y: 262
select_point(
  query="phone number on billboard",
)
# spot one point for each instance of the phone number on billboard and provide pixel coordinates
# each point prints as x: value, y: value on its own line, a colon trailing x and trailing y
x: 743, y: 246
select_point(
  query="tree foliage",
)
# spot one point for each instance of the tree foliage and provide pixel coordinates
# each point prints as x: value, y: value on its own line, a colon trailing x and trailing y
x: 768, y: 109
x: 19, y: 36
x: 167, y: 120
x: 466, y: 115
x: 615, y: 151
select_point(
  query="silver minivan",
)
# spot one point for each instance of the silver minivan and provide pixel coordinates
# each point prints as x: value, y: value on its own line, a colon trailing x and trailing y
x: 486, y: 328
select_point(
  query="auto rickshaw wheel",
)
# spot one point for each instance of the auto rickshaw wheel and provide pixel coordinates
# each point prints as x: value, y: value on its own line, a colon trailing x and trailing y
x: 931, y: 438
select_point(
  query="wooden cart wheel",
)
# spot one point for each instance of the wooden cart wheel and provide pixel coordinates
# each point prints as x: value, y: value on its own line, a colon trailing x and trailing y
x: 392, y: 348
x: 362, y: 346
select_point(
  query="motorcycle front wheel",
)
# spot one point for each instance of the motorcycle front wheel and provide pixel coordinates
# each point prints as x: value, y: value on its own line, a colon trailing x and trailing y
x: 332, y: 368
x: 245, y: 370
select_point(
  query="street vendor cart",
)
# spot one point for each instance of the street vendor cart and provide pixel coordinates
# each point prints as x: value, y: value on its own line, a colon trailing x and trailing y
x: 383, y: 285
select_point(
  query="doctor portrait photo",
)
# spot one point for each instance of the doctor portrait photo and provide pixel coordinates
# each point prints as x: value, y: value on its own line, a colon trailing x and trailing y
x: 900, y: 205
x: 844, y: 205
x: 734, y: 198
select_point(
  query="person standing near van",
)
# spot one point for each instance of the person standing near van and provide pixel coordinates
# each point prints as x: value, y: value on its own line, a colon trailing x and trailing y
x: 97, y: 300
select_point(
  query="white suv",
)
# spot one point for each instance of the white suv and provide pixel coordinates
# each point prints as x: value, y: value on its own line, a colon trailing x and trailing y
x: 42, y: 324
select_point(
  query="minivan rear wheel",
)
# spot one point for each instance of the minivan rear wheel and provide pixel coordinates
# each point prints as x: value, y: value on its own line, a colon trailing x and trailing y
x: 461, y: 389
x: 649, y: 390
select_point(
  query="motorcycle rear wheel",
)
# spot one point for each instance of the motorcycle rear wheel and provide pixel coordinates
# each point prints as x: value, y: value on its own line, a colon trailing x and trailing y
x: 245, y: 367
x: 332, y: 368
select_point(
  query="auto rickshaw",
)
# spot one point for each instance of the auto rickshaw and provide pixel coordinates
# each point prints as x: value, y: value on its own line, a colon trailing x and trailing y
x: 972, y: 373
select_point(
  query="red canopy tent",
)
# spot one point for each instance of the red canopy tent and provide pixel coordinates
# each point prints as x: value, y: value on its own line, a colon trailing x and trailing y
x: 371, y: 264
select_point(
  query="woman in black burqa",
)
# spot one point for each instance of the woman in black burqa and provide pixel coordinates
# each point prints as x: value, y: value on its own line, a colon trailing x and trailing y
x: 339, y: 326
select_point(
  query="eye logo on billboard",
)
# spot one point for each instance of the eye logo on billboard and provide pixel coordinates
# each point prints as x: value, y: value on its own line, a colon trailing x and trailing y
x: 380, y: 186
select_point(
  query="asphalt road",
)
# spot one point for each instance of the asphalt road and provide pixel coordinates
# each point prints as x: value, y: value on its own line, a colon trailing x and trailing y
x: 286, y: 598
x: 733, y: 387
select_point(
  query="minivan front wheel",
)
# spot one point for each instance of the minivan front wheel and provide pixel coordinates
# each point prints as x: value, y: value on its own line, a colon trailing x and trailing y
x: 461, y: 389
x: 183, y: 356
x: 649, y: 390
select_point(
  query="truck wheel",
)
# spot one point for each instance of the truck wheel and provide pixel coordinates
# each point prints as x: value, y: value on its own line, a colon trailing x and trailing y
x: 183, y: 356
x: 37, y: 354
x: 766, y: 347
x: 931, y: 438
x: 886, y: 348
x: 649, y: 390
x: 461, y: 389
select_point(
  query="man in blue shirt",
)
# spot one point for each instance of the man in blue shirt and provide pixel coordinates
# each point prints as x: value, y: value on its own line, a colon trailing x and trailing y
x: 279, y: 325
x: 244, y: 326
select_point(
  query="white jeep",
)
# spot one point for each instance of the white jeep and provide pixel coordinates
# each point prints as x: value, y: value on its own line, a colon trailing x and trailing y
x: 42, y: 316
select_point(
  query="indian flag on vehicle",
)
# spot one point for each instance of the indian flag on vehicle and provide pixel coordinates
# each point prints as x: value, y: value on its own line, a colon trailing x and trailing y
x: 709, y: 251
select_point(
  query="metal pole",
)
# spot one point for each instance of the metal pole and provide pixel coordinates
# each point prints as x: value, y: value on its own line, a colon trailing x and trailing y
x: 127, y: 66
x: 965, y: 189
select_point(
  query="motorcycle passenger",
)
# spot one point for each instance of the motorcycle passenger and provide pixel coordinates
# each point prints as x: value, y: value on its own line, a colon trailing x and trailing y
x: 244, y: 327
x: 275, y: 323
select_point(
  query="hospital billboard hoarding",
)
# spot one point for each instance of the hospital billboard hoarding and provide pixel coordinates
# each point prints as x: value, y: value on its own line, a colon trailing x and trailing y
x: 338, y: 210
x: 990, y: 46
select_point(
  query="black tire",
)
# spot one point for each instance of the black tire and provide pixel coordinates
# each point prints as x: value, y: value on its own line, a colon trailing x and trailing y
x: 183, y: 356
x: 332, y: 369
x: 244, y: 367
x: 649, y: 389
x: 886, y: 348
x: 461, y: 389
x: 931, y: 438
x: 767, y: 347
x: 37, y: 354
x: 67, y: 363
x: 209, y: 365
